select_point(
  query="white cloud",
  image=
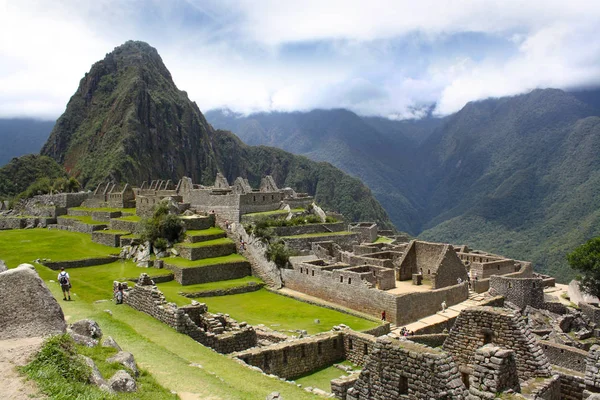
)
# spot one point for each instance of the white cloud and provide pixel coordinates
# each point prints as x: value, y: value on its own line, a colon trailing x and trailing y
x: 235, y: 54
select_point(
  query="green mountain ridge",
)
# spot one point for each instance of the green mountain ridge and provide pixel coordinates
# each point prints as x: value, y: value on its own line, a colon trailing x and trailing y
x: 128, y: 122
x: 515, y: 175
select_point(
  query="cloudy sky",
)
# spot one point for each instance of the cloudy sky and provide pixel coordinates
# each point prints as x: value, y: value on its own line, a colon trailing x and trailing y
x: 376, y: 57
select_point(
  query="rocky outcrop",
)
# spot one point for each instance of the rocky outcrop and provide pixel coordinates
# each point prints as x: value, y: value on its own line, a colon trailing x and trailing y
x: 126, y: 359
x: 28, y: 309
x: 121, y: 381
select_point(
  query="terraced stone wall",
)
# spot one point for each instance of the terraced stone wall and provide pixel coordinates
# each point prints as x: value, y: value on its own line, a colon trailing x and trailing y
x: 209, y: 273
x: 107, y: 238
x: 86, y: 262
x: 127, y: 226
x: 564, y: 356
x: 308, y: 229
x: 201, y: 252
x: 304, y: 243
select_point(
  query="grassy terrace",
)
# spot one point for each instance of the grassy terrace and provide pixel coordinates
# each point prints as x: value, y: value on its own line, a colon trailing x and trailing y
x: 309, y: 235
x: 205, y: 232
x: 159, y: 349
x: 172, y: 289
x: 126, y: 210
x: 281, y: 313
x: 86, y: 219
x: 215, y: 242
x: 183, y: 263
x: 276, y: 212
x: 24, y: 246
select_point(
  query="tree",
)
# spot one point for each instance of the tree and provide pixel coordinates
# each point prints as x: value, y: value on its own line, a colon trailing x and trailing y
x: 586, y: 260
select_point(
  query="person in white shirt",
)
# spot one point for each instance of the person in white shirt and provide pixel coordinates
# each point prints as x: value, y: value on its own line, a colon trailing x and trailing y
x: 65, y: 283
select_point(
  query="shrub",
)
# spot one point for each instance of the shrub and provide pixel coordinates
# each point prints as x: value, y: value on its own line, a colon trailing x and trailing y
x: 279, y: 253
x: 163, y: 228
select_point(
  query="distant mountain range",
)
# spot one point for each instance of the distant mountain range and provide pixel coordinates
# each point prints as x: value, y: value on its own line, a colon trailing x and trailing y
x: 517, y: 175
x: 20, y: 136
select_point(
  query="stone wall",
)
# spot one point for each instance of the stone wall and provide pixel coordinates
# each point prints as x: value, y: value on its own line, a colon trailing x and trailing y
x: 592, y: 370
x: 86, y: 262
x: 308, y: 228
x: 66, y: 200
x: 340, y: 386
x: 571, y: 386
x: 107, y: 238
x: 197, y: 222
x: 413, y: 306
x: 358, y: 346
x: 407, y: 370
x: 564, y: 356
x: 191, y: 252
x: 591, y: 311
x: 191, y: 320
x: 105, y: 216
x: 24, y: 222
x: 505, y: 328
x: 520, y: 291
x: 293, y: 359
x: 494, y: 371
x: 127, y: 226
x: 209, y: 273
x: 431, y: 340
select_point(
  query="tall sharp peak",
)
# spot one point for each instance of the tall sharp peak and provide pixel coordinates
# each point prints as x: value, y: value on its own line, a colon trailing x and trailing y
x: 134, y: 54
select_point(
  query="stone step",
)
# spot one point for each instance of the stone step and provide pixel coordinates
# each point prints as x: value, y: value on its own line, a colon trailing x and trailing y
x: 207, y: 249
x: 217, y: 271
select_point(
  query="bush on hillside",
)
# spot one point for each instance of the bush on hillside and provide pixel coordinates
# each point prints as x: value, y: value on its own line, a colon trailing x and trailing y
x: 279, y: 253
x: 163, y: 228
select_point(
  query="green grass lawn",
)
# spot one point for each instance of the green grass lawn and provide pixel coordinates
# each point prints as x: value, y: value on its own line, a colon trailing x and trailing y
x: 308, y: 235
x: 282, y: 313
x: 172, y: 289
x: 322, y: 378
x: 23, y: 246
x: 205, y: 232
x: 184, y: 263
x: 383, y: 239
x: 215, y: 242
x: 86, y: 219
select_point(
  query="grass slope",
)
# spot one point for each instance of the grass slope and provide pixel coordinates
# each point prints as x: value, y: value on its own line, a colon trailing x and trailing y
x: 183, y: 263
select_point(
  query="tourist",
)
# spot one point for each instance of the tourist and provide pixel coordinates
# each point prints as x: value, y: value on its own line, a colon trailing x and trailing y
x: 119, y: 294
x: 227, y: 225
x: 444, y: 306
x: 383, y: 315
x: 65, y: 283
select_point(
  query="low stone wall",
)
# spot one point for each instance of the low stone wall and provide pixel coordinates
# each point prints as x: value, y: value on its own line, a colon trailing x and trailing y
x: 129, y: 241
x: 7, y: 223
x: 480, y: 285
x: 79, y: 226
x: 564, y: 356
x: 591, y: 311
x: 549, y: 389
x: 86, y: 262
x: 105, y: 216
x: 65, y: 200
x: 250, y: 287
x: 209, y: 273
x: 293, y: 359
x: 128, y: 226
x: 107, y: 238
x: 78, y: 213
x: 413, y: 306
x: 201, y: 252
x: 155, y: 279
x: 308, y: 229
x: 380, y: 330
x: 304, y: 243
x: 555, y: 307
x: 150, y: 300
x: 203, y: 238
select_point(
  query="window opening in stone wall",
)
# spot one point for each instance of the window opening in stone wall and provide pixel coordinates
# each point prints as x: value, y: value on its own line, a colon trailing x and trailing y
x: 335, y: 343
x: 510, y: 285
x: 465, y: 379
x: 301, y: 270
x: 534, y: 285
x: 306, y: 271
x: 428, y: 272
x: 488, y: 336
x: 498, y: 268
x: 341, y: 279
x: 263, y: 198
x: 313, y: 272
x: 319, y: 349
x: 349, y: 281
x: 403, y: 385
x: 366, y: 348
x: 350, y: 344
x: 272, y: 197
x: 254, y: 198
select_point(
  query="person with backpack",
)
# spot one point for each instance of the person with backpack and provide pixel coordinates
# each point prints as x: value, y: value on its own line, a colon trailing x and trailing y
x: 65, y: 283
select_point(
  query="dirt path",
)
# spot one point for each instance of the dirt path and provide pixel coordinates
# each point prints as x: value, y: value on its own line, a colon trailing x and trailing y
x: 14, y: 353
